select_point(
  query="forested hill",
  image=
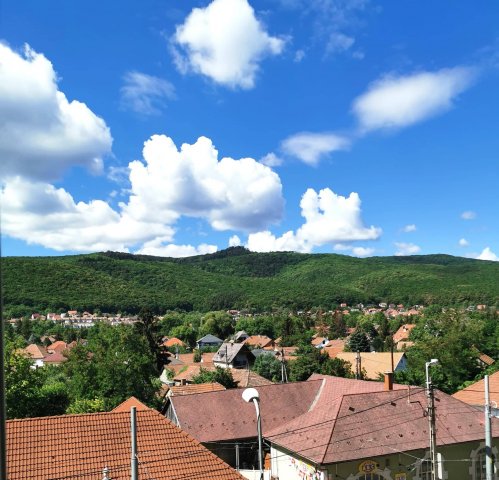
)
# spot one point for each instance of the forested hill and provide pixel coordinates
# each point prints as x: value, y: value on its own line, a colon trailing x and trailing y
x: 118, y: 282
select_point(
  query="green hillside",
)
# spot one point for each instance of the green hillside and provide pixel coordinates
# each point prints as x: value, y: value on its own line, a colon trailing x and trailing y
x: 112, y: 282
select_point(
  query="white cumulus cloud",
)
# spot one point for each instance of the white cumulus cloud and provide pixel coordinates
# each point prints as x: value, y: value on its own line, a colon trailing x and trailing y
x: 329, y: 218
x: 404, y: 249
x: 42, y: 214
x: 230, y: 194
x: 400, y: 101
x: 234, y: 241
x: 362, y: 251
x: 145, y: 94
x: 488, y: 254
x: 310, y: 147
x: 225, y: 42
x: 468, y: 215
x: 463, y: 242
x: 42, y: 133
x: 160, y: 248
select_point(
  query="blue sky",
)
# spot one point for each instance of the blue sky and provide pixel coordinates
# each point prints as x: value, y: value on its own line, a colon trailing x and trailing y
x: 176, y: 128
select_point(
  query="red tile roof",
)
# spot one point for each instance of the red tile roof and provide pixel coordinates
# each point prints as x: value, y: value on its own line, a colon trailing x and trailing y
x: 196, y: 388
x: 347, y: 428
x: 55, y: 358
x: 403, y: 332
x: 171, y: 342
x: 247, y: 378
x: 128, y: 404
x: 259, y: 340
x: 35, y: 351
x: 58, y: 346
x: 80, y: 446
x: 225, y: 415
x: 334, y: 347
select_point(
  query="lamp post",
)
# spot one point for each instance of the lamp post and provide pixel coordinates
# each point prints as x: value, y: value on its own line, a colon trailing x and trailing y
x: 251, y: 394
x: 431, y: 419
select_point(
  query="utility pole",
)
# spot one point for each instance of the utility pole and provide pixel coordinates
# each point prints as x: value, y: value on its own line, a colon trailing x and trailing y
x: 431, y: 419
x: 357, y: 366
x: 134, y: 463
x: 284, y: 375
x: 488, y: 433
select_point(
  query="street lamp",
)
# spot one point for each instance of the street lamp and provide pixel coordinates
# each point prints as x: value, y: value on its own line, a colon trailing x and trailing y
x: 251, y: 394
x: 431, y: 419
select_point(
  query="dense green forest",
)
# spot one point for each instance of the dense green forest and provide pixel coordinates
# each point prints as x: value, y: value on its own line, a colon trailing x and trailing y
x: 236, y: 278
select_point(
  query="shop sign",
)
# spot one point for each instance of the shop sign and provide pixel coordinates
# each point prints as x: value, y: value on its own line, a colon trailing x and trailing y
x: 368, y: 466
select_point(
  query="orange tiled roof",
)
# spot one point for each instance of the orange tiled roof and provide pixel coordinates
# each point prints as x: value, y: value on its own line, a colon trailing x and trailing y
x: 258, y: 340
x: 474, y: 394
x: 35, y: 351
x: 171, y: 342
x: 403, y: 332
x: 334, y: 347
x: 129, y: 403
x: 247, y: 378
x: 80, y: 446
x: 196, y: 388
x: 57, y: 346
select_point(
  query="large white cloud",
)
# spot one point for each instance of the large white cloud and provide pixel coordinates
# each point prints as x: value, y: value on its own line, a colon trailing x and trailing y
x: 311, y: 147
x: 41, y: 132
x: 160, y: 248
x: 328, y: 217
x: 42, y: 214
x: 230, y: 194
x: 225, y: 42
x: 400, y: 101
x: 488, y: 254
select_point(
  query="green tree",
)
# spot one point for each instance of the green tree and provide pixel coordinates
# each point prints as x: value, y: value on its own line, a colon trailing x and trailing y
x: 218, y: 324
x: 115, y: 364
x: 268, y: 366
x: 148, y: 325
x: 223, y: 376
x: 31, y: 392
x: 315, y: 361
x: 359, y: 342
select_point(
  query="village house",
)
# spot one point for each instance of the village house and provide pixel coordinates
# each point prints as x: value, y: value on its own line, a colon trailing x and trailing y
x: 474, y: 394
x: 209, y: 341
x: 403, y: 333
x: 233, y: 355
x: 379, y: 436
x: 259, y: 341
x: 227, y: 424
x: 97, y: 446
x: 374, y: 364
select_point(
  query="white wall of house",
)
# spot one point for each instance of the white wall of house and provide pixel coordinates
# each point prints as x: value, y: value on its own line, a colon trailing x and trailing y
x: 286, y: 467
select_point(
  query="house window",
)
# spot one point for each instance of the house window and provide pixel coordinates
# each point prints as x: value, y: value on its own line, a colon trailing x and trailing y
x: 477, y: 467
x: 378, y: 475
x: 423, y: 468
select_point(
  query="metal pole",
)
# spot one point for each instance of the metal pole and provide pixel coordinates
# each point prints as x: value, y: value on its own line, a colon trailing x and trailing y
x: 431, y: 421
x: 259, y: 428
x: 357, y: 363
x: 488, y: 434
x: 134, y: 465
x: 237, y: 456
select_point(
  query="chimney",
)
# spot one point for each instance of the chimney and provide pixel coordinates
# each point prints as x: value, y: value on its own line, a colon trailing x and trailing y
x: 388, y: 381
